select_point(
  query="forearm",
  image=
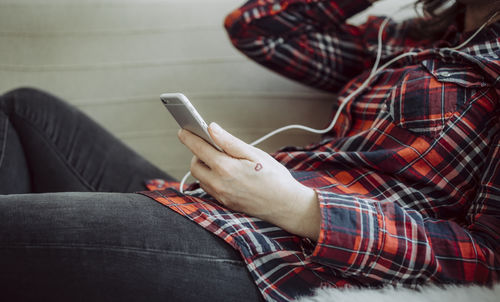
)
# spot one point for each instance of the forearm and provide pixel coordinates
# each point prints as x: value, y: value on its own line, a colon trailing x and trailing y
x: 371, y: 239
x: 307, y: 41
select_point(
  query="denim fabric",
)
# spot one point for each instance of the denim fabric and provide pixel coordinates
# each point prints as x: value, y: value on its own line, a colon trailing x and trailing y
x: 90, y: 246
x: 112, y: 247
x: 65, y: 150
x: 14, y: 173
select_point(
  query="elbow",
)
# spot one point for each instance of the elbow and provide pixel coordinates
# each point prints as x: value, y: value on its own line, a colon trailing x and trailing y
x: 234, y: 25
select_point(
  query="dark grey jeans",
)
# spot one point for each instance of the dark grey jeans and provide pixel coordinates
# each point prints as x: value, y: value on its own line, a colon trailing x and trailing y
x: 91, y: 246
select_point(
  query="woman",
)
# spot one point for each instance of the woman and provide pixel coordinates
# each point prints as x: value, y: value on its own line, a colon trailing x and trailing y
x: 404, y: 189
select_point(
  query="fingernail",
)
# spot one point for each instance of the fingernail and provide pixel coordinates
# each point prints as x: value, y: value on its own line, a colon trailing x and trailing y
x: 215, y: 128
x: 179, y: 133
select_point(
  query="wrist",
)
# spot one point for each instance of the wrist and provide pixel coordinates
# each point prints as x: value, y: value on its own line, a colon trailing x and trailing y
x: 299, y: 214
x: 306, y: 219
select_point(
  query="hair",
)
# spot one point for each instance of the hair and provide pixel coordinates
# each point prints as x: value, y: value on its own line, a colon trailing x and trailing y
x: 438, y: 15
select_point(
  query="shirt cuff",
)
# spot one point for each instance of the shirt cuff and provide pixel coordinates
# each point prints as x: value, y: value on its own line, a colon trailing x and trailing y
x: 349, y: 239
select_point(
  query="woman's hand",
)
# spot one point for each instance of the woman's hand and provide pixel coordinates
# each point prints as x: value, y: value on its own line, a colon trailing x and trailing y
x: 247, y: 179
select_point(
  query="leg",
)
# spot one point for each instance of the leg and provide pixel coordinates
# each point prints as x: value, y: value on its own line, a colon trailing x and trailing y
x: 67, y: 151
x: 14, y: 173
x: 112, y: 247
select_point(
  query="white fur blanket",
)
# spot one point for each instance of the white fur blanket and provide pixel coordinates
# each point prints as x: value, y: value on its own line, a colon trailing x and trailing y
x: 390, y: 294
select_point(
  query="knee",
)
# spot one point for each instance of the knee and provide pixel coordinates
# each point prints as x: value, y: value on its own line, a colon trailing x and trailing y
x: 24, y: 93
x: 21, y: 100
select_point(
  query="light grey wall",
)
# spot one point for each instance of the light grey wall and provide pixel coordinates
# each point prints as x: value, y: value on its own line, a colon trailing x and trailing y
x: 112, y: 59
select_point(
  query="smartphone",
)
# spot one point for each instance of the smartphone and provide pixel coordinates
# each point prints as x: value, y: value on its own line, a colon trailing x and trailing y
x: 186, y: 116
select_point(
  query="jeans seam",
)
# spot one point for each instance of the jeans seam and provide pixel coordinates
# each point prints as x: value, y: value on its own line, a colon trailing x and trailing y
x: 121, y: 249
x: 56, y: 151
x: 4, y: 146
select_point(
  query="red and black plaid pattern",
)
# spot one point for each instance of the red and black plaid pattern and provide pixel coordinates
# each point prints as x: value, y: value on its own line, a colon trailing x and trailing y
x: 408, y: 180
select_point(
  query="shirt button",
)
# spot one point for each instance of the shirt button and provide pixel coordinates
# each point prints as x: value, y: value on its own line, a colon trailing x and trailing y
x: 445, y: 74
x: 483, y: 84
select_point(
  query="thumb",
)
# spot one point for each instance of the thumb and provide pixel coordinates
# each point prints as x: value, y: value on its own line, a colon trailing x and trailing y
x: 231, y: 145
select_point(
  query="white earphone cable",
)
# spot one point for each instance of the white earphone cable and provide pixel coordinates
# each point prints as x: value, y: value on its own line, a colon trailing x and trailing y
x: 375, y: 70
x: 476, y: 32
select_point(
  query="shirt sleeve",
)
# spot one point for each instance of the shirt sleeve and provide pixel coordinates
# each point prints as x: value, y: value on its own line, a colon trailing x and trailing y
x: 305, y: 40
x: 382, y: 241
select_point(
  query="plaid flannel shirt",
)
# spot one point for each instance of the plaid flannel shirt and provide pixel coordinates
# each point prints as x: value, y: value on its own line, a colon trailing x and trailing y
x: 408, y: 180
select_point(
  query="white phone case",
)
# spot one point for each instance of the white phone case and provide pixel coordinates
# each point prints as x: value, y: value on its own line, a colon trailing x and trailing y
x: 186, y: 115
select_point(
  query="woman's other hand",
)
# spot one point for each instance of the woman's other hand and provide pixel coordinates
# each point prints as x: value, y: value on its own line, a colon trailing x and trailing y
x: 246, y: 179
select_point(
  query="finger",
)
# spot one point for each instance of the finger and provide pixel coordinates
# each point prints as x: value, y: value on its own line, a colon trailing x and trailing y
x: 210, y: 191
x: 205, y: 176
x: 200, y: 170
x: 195, y: 160
x: 231, y: 144
x: 200, y: 148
